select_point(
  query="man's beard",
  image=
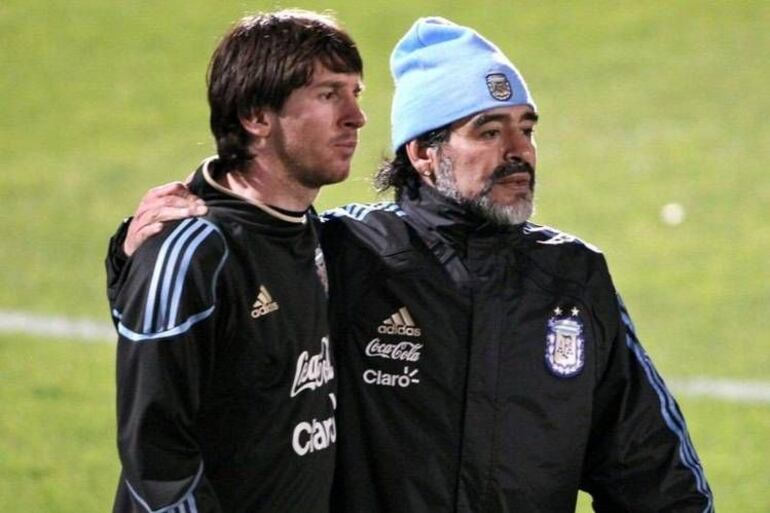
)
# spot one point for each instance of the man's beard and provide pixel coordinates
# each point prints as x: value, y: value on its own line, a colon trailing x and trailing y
x: 302, y: 166
x: 516, y: 213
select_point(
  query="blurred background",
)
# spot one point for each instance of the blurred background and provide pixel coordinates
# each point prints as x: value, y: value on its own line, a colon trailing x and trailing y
x: 653, y: 145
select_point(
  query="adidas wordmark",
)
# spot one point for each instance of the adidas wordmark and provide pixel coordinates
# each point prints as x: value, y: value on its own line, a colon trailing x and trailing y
x: 400, y: 323
x: 264, y: 303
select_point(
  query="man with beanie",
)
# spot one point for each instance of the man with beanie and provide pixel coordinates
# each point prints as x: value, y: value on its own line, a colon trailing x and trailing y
x: 485, y: 363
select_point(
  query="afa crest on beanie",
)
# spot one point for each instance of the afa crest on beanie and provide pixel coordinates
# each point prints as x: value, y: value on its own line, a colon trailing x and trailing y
x: 444, y: 72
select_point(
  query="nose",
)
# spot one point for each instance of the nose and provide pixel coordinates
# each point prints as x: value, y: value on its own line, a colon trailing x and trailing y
x: 520, y: 147
x: 354, y: 115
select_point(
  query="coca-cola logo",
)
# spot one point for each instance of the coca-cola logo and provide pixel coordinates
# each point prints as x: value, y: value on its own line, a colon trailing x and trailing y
x: 313, y: 371
x: 402, y: 351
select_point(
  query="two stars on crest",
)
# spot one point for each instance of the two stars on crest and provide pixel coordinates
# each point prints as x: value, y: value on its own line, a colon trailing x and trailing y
x: 558, y: 311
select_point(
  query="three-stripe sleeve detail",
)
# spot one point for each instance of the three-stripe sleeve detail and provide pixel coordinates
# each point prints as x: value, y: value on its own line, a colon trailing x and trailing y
x: 164, y: 295
x: 186, y: 504
x: 184, y: 266
x: 168, y: 253
x: 670, y: 412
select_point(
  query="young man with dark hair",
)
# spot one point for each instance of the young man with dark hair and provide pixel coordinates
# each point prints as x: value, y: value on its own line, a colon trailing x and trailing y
x: 485, y: 363
x: 225, y: 379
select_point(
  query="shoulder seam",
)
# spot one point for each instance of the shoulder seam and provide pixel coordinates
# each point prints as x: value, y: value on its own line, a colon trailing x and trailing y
x: 557, y: 237
x: 359, y: 211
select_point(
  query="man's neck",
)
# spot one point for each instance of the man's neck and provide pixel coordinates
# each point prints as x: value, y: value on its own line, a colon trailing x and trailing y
x: 269, y: 187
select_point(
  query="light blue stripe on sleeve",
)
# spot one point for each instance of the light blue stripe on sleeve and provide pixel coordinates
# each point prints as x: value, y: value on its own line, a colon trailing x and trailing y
x: 177, y: 330
x: 200, y: 231
x: 156, y: 274
x: 168, y: 272
x: 669, y: 410
x: 188, y: 498
x: 184, y: 266
x: 192, y: 507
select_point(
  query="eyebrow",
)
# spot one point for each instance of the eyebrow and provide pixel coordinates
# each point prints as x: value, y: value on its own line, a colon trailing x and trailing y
x: 483, y: 119
x: 338, y: 84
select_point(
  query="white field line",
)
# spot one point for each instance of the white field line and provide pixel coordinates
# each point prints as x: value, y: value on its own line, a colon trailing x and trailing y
x: 86, y: 330
x: 742, y: 391
x: 57, y: 327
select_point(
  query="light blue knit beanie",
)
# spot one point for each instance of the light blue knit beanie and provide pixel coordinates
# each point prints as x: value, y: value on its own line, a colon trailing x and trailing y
x: 444, y: 72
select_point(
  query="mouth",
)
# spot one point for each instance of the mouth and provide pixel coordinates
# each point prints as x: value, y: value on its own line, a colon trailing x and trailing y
x: 518, y: 180
x: 517, y: 175
x: 348, y: 143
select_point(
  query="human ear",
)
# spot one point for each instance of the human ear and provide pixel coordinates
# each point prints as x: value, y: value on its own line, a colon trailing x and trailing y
x: 259, y: 123
x: 424, y: 159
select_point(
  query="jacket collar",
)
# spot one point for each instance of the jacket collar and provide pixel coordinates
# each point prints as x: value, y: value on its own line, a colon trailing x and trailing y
x: 451, y: 221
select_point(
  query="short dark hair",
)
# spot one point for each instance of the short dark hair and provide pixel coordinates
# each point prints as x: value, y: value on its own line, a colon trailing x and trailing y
x: 260, y: 61
x: 399, y: 173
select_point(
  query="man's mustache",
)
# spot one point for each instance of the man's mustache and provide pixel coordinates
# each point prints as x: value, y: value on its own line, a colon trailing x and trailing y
x: 507, y: 169
x: 512, y: 167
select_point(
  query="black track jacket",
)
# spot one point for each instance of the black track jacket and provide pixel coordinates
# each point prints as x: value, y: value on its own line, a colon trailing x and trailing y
x: 224, y: 373
x: 487, y: 369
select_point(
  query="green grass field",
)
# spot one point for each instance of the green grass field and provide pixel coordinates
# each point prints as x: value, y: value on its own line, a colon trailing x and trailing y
x: 641, y: 103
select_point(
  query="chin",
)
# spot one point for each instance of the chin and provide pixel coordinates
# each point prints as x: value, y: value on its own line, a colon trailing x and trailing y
x: 517, y: 212
x: 328, y: 177
x: 339, y: 176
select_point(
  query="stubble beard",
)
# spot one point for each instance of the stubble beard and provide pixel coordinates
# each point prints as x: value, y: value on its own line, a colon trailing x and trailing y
x: 300, y: 170
x: 516, y: 213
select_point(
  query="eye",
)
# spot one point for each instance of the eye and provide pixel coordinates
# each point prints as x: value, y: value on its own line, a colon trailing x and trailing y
x: 328, y: 95
x: 529, y: 132
x: 490, y: 133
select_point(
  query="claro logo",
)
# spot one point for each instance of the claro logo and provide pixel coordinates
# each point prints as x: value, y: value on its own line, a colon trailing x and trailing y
x: 316, y: 435
x: 378, y: 377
